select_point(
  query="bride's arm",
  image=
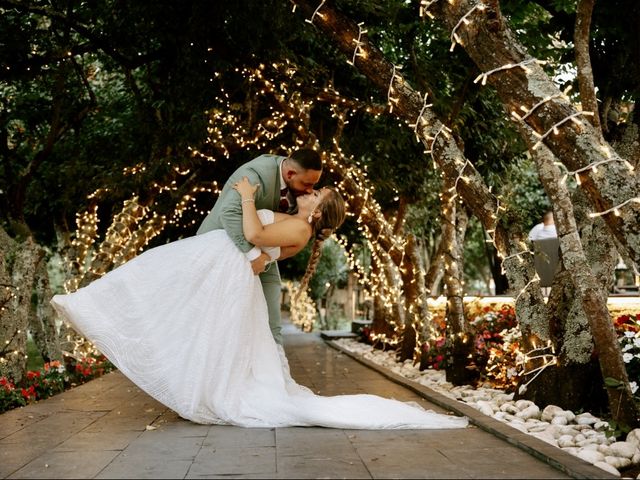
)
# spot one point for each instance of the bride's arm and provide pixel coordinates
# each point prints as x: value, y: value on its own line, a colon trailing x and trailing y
x: 286, y: 233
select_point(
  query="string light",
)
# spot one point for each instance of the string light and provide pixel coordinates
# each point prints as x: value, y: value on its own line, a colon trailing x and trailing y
x: 358, y: 51
x: 393, y: 100
x: 483, y: 76
x: 528, y: 112
x: 316, y: 12
x: 425, y: 106
x: 424, y: 8
x: 616, y: 209
x: 464, y: 20
x: 554, y: 128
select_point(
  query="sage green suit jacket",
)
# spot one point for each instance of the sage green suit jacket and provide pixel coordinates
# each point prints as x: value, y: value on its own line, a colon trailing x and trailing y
x: 227, y: 214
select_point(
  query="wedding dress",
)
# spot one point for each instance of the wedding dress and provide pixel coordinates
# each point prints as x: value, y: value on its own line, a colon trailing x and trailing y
x: 188, y: 323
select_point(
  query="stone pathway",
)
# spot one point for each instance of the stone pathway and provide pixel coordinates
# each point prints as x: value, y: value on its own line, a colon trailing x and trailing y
x: 108, y: 428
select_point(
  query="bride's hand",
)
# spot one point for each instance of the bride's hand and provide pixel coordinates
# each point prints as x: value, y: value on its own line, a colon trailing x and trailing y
x: 245, y: 189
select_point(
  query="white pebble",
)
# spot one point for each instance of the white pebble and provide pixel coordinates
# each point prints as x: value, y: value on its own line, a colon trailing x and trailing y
x: 602, y: 425
x: 551, y: 411
x: 590, y: 446
x: 636, y: 459
x: 591, y: 456
x: 484, y: 407
x: 569, y: 430
x: 509, y: 408
x: 607, y: 468
x: 623, y: 449
x: 522, y: 404
x: 545, y: 437
x: 618, y: 462
x: 604, y: 449
x: 559, y: 420
x: 586, y: 419
x: 532, y: 411
x: 580, y: 438
x: 634, y: 437
x: 499, y: 415
x: 565, y: 441
x: 519, y: 426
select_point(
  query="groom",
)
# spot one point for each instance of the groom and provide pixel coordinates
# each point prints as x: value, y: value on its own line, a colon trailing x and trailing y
x: 281, y: 180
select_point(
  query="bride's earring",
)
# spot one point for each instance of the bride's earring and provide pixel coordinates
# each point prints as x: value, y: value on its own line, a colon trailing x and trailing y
x: 310, y: 218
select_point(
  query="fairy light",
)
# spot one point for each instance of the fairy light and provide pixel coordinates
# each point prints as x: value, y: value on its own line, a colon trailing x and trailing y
x: 358, y: 51
x: 535, y: 279
x: 424, y: 8
x: 316, y: 12
x: 554, y: 128
x: 616, y: 209
x: 484, y: 76
x: 548, y: 359
x: 444, y: 130
x: 394, y: 75
x: 530, y: 111
x: 455, y: 39
x: 419, y: 118
x: 592, y: 166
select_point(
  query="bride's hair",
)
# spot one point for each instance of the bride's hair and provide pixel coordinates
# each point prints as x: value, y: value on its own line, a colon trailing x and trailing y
x: 332, y: 214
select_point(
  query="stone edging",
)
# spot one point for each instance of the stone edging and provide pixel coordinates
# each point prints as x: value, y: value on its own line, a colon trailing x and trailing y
x: 565, y: 462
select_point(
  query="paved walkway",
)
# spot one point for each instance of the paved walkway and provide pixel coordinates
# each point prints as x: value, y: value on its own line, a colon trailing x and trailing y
x: 108, y: 428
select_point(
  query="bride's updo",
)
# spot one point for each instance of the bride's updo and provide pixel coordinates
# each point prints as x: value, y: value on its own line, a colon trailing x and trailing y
x: 332, y: 214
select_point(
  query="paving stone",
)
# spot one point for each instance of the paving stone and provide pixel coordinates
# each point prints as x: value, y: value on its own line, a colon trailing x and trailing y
x: 145, y: 466
x: 79, y: 464
x: 234, y: 461
x: 228, y: 436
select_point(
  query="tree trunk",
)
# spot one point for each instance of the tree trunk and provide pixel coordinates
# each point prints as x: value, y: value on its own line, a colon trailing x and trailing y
x: 18, y: 262
x: 576, y: 381
x: 409, y: 346
x: 590, y: 293
x: 436, y: 271
x: 459, y: 344
x: 581, y: 36
x: 409, y: 106
x: 42, y: 319
x: 381, y: 330
x: 577, y: 144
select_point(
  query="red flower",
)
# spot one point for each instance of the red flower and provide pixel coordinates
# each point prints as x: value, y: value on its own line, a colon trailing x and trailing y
x: 28, y: 393
x: 33, y: 374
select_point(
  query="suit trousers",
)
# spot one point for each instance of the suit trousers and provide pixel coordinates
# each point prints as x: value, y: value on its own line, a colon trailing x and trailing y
x: 272, y: 287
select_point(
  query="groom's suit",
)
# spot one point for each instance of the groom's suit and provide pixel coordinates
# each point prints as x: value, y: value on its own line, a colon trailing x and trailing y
x: 227, y: 214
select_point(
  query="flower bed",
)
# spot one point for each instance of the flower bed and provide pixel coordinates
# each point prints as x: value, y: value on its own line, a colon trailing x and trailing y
x: 496, y: 338
x: 52, y: 378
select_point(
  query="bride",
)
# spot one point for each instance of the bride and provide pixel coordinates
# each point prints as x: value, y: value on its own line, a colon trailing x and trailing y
x: 188, y: 323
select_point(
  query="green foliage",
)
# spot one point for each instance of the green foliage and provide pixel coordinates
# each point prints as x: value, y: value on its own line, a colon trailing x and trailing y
x: 331, y: 271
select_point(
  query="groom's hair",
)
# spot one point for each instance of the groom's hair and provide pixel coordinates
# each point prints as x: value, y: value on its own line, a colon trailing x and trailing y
x: 307, y: 159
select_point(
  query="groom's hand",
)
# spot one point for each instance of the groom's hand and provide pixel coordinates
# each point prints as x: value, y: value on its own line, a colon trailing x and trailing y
x: 259, y: 263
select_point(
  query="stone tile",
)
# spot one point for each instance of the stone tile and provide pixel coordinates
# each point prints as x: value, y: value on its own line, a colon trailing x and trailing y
x: 323, y: 463
x: 19, y: 418
x: 84, y: 464
x: 13, y: 456
x: 233, y: 461
x: 163, y: 444
x: 98, y: 441
x: 145, y: 466
x: 227, y: 436
x: 53, y: 429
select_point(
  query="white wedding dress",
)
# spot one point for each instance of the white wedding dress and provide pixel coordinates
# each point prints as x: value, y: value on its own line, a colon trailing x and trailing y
x: 187, y: 322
